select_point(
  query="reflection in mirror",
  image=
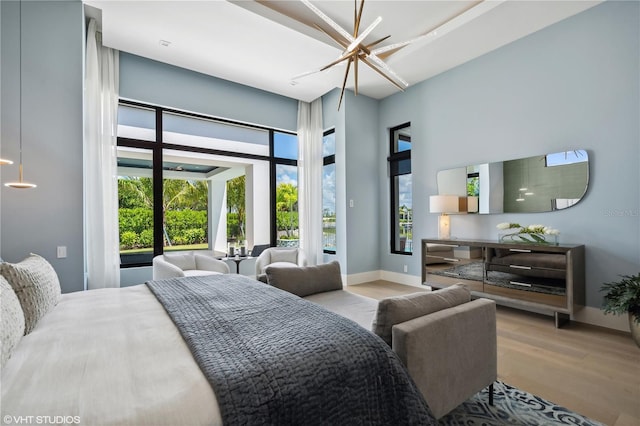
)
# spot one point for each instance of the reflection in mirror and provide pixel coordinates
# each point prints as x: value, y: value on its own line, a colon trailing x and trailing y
x: 528, y: 185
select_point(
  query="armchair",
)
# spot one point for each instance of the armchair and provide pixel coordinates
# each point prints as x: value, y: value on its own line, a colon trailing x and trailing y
x: 186, y: 264
x: 278, y: 257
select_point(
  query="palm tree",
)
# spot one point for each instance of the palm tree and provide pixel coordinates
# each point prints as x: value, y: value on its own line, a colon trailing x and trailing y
x: 176, y: 194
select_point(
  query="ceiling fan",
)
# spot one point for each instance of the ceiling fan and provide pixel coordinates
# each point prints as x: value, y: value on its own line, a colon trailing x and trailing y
x: 356, y: 50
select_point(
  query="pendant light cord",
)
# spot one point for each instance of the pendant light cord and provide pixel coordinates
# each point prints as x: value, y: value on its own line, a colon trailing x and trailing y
x: 20, y: 184
x: 20, y: 76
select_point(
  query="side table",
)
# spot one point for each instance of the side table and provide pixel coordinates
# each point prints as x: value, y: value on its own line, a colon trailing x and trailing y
x: 237, y: 260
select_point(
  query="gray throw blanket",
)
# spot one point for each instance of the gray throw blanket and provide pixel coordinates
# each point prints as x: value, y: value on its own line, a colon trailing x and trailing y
x: 275, y: 359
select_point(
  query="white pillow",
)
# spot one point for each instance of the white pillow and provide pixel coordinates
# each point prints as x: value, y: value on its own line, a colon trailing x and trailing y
x: 284, y: 255
x: 36, y: 284
x: 12, y: 320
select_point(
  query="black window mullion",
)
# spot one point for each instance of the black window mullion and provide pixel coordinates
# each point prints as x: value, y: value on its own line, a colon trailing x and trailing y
x: 272, y: 188
x: 158, y: 226
x: 395, y: 159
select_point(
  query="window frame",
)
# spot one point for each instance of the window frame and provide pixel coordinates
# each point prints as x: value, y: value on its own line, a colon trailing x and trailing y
x: 275, y: 162
x: 395, y: 157
x: 157, y: 147
x: 327, y: 160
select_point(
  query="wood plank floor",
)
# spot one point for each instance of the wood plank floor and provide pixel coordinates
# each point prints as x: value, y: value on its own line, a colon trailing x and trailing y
x: 591, y: 370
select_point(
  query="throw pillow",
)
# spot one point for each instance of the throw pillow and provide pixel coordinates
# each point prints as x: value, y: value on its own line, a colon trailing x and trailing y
x: 394, y: 310
x: 306, y: 280
x: 284, y: 255
x: 185, y: 261
x: 12, y: 320
x: 36, y: 284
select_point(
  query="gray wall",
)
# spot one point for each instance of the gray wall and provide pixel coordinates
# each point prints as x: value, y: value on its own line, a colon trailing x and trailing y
x: 157, y: 83
x: 572, y: 85
x: 356, y: 179
x: 37, y: 220
x: 361, y: 157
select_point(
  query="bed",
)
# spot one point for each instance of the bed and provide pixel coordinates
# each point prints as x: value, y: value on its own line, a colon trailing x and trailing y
x: 121, y: 356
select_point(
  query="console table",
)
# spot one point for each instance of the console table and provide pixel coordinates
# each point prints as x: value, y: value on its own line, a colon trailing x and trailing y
x: 542, y: 278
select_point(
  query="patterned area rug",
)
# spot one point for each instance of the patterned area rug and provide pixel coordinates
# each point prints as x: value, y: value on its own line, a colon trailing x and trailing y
x: 512, y: 406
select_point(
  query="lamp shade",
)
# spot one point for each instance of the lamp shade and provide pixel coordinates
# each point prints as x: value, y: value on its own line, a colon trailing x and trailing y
x: 444, y: 204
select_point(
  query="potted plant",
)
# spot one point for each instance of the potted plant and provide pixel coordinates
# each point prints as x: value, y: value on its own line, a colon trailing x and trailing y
x: 622, y: 297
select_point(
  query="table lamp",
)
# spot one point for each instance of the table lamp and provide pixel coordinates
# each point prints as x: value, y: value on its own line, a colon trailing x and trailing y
x: 446, y: 204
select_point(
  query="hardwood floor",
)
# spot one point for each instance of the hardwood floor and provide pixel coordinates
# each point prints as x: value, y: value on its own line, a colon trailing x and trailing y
x: 591, y: 370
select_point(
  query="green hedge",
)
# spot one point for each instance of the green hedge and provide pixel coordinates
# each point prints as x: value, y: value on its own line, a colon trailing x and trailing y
x: 182, y: 226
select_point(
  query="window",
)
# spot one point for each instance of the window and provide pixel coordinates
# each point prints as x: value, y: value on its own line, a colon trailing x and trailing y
x: 135, y: 205
x: 400, y: 189
x: 188, y: 182
x: 185, y: 203
x: 329, y: 192
x: 285, y: 153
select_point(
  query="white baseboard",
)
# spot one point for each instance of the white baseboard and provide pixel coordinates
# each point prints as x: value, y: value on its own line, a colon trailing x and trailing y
x: 363, y: 277
x: 585, y: 314
x: 399, y: 278
x: 595, y: 316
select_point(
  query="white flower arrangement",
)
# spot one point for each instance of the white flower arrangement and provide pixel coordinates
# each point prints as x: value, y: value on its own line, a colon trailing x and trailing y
x: 527, y: 234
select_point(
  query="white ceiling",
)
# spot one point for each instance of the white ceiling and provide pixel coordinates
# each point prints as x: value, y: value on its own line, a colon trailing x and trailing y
x: 264, y: 44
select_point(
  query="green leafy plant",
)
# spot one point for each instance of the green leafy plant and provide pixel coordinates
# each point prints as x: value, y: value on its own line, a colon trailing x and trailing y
x: 622, y: 296
x: 128, y: 240
x: 527, y: 234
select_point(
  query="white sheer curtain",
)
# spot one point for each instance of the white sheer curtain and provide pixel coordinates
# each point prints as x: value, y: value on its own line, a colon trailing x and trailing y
x: 100, y: 163
x: 310, y: 179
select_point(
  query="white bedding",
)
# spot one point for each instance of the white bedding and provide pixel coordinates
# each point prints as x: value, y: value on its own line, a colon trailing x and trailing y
x: 109, y: 356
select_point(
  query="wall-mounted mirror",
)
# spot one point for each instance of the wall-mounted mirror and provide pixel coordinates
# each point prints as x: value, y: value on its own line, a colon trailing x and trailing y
x: 527, y: 185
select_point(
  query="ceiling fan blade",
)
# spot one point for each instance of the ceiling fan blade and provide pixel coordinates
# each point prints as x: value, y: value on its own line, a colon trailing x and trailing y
x: 329, y: 21
x: 344, y: 84
x: 364, y: 34
x: 376, y: 69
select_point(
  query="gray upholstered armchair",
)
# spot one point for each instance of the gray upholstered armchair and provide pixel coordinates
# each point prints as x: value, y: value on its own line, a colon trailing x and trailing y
x: 278, y: 257
x: 186, y: 264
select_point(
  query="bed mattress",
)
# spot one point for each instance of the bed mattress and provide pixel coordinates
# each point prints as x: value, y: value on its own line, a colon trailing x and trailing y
x: 121, y: 359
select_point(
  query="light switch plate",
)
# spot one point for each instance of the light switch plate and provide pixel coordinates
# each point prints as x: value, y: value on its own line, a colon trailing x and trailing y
x: 62, y: 252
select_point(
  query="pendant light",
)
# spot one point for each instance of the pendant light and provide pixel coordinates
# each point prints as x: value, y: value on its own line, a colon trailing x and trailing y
x: 20, y: 184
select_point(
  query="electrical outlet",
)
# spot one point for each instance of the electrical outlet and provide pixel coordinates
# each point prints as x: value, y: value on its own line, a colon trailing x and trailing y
x: 62, y: 252
x: 405, y: 268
